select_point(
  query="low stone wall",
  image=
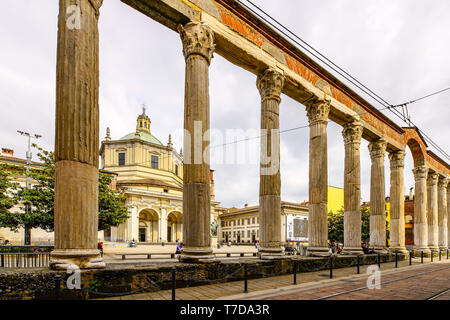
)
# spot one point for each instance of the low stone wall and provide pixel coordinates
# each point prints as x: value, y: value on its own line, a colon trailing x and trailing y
x: 118, y: 279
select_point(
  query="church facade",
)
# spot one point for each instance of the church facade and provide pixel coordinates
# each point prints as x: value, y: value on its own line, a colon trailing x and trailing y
x: 150, y: 174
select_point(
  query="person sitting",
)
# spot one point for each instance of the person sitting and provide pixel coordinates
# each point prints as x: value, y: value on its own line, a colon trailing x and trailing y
x: 179, y: 247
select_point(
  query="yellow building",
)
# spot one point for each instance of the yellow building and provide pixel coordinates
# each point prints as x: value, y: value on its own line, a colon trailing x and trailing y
x: 151, y: 176
x: 335, y: 199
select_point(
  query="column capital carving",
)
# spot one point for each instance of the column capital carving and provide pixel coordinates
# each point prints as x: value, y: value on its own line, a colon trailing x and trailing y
x: 432, y: 179
x: 377, y: 148
x: 96, y: 4
x: 443, y: 182
x: 352, y: 132
x: 197, y: 38
x: 317, y: 110
x: 397, y: 159
x: 270, y: 83
x: 420, y: 172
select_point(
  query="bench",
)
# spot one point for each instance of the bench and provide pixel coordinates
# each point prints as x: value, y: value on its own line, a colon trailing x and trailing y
x: 149, y: 255
x: 241, y: 254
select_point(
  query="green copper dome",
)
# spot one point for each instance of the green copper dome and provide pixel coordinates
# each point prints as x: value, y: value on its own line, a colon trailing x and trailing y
x: 144, y: 136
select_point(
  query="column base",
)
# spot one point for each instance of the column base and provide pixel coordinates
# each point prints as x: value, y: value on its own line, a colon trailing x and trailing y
x: 62, y: 259
x: 271, y: 253
x: 418, y: 251
x: 381, y: 250
x: 318, y: 252
x: 197, y: 255
x: 398, y: 249
x: 443, y: 248
x: 433, y: 247
x: 352, y: 251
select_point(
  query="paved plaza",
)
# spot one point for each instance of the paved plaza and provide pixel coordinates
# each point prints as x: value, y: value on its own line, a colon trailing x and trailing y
x: 421, y: 281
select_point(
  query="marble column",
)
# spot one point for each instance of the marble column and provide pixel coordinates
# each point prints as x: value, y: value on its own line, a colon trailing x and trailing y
x: 198, y: 47
x: 420, y: 211
x: 432, y: 211
x: 352, y: 134
x: 442, y: 213
x: 270, y: 83
x: 77, y: 137
x: 163, y: 226
x: 397, y: 198
x: 133, y: 224
x: 318, y: 111
x: 377, y: 197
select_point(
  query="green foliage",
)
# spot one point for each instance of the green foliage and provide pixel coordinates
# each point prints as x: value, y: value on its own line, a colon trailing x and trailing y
x: 336, y: 225
x: 41, y: 195
x: 365, y: 224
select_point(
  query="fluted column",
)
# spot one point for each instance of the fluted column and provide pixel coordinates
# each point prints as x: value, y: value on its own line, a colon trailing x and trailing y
x: 377, y: 201
x: 420, y: 210
x: 76, y: 136
x: 198, y: 47
x: 317, y: 111
x: 352, y: 134
x: 397, y: 228
x: 432, y: 211
x: 270, y: 83
x: 442, y: 213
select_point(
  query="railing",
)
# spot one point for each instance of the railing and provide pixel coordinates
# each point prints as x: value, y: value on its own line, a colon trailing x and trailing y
x: 24, y: 260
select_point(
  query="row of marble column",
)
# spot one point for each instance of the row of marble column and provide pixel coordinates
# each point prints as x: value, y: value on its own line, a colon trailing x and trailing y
x: 76, y: 155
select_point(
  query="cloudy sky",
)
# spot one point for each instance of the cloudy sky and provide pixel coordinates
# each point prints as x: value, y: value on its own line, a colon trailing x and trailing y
x: 400, y: 49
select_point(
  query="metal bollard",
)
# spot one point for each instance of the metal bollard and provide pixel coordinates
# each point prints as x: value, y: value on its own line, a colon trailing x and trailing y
x: 410, y: 257
x: 379, y: 260
x: 331, y: 267
x: 432, y: 255
x: 396, y: 259
x: 295, y: 271
x: 174, y: 284
x: 357, y: 264
x: 245, y: 277
x: 57, y: 286
x: 421, y: 256
x: 2, y: 263
x: 447, y: 254
x: 440, y: 255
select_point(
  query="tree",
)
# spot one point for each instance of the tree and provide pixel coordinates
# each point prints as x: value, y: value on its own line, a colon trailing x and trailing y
x: 8, y: 198
x: 112, y: 209
x: 336, y: 225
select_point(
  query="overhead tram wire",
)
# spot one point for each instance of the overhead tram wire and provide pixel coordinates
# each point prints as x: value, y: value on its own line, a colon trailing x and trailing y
x: 340, y: 71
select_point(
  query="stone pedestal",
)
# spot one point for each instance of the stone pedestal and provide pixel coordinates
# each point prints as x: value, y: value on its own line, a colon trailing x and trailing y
x: 377, y: 201
x: 352, y: 133
x: 76, y: 137
x: 442, y: 213
x: 432, y: 211
x: 397, y: 198
x: 270, y: 83
x: 198, y: 48
x: 420, y: 210
x: 317, y: 111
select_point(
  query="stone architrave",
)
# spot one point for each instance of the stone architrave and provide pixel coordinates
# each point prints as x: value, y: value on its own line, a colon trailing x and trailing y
x: 420, y: 210
x: 77, y: 137
x: 442, y: 213
x: 317, y: 112
x: 198, y: 47
x: 377, y: 200
x: 397, y: 198
x: 270, y: 84
x: 432, y: 211
x: 352, y: 133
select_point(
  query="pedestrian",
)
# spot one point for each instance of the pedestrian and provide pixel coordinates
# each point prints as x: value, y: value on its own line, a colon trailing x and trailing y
x: 179, y: 247
x: 100, y: 247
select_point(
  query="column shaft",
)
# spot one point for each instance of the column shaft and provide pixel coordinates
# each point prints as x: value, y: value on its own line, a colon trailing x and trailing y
x: 442, y: 214
x: 317, y: 111
x: 270, y: 83
x: 76, y: 136
x: 352, y: 133
x: 198, y: 48
x: 432, y: 211
x: 397, y: 198
x: 377, y: 200
x: 420, y: 210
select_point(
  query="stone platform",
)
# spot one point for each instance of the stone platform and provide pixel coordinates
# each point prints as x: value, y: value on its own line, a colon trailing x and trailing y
x: 154, y: 276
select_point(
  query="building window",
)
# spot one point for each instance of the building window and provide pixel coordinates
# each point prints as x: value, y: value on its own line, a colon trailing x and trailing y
x: 141, y: 124
x: 176, y: 169
x: 145, y: 124
x: 248, y: 233
x: 122, y: 159
x: 155, y: 162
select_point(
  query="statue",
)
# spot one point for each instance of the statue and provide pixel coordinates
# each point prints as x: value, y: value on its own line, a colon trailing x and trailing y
x: 214, y: 228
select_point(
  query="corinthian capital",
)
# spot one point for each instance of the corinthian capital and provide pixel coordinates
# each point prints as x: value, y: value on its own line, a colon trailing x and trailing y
x: 270, y: 83
x: 377, y: 149
x: 432, y: 179
x: 420, y: 172
x: 352, y: 132
x: 96, y: 4
x: 442, y: 184
x: 198, y: 39
x: 397, y: 159
x: 317, y: 110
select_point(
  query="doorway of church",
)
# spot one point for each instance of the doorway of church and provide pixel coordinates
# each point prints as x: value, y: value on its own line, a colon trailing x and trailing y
x: 142, y: 235
x: 169, y: 234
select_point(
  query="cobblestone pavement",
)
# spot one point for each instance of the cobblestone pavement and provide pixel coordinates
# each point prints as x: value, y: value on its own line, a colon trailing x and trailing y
x: 281, y: 287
